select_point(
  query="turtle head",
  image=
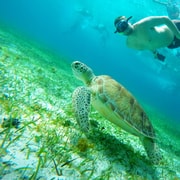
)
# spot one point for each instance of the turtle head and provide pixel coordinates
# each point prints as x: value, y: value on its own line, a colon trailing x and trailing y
x: 82, y: 72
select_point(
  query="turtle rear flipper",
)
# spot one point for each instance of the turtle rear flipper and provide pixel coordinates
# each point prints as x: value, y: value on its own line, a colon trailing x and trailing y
x: 81, y: 103
x: 152, y: 150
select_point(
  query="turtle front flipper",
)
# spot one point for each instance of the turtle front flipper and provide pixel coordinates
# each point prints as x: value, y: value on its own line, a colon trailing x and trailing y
x: 81, y: 102
x: 152, y: 150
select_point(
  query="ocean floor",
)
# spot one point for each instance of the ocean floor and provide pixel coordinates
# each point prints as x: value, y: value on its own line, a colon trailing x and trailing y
x: 40, y: 139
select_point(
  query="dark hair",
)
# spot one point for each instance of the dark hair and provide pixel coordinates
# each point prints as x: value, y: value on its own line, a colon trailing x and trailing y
x: 120, y: 18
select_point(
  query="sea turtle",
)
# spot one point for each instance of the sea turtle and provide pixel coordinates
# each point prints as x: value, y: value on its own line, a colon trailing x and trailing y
x: 113, y: 102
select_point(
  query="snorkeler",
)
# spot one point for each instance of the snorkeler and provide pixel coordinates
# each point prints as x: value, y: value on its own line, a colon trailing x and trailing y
x: 83, y: 19
x: 150, y: 33
x: 102, y: 31
x: 172, y: 9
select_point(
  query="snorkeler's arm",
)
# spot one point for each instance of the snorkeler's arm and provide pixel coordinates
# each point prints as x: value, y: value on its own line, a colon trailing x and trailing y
x: 152, y: 21
x: 169, y: 23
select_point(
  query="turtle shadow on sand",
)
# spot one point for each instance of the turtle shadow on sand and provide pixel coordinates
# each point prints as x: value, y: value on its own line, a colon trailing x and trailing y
x: 123, y: 154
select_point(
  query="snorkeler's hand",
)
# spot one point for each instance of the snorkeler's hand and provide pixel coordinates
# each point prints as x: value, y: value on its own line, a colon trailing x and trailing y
x: 159, y: 56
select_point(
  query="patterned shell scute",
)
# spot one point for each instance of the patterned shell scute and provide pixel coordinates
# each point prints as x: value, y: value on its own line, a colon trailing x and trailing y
x: 121, y: 102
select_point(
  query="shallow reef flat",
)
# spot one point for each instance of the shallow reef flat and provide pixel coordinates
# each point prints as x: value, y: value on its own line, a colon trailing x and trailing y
x: 40, y: 139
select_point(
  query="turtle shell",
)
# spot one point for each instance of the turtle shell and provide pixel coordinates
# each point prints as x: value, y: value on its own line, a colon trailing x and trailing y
x: 119, y: 106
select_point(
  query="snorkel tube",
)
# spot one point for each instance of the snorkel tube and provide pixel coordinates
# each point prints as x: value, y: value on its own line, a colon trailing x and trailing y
x: 129, y: 18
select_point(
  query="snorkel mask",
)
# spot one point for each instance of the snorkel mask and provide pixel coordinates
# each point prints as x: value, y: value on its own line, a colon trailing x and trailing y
x: 121, y: 24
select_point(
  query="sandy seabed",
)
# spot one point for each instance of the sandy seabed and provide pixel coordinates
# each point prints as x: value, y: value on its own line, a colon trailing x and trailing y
x: 40, y: 139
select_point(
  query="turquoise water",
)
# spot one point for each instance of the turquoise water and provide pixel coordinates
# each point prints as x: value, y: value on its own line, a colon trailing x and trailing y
x: 37, y: 83
x: 84, y: 30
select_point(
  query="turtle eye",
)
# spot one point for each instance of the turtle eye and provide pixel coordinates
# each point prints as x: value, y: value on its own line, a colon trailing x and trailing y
x: 76, y: 65
x: 79, y: 66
